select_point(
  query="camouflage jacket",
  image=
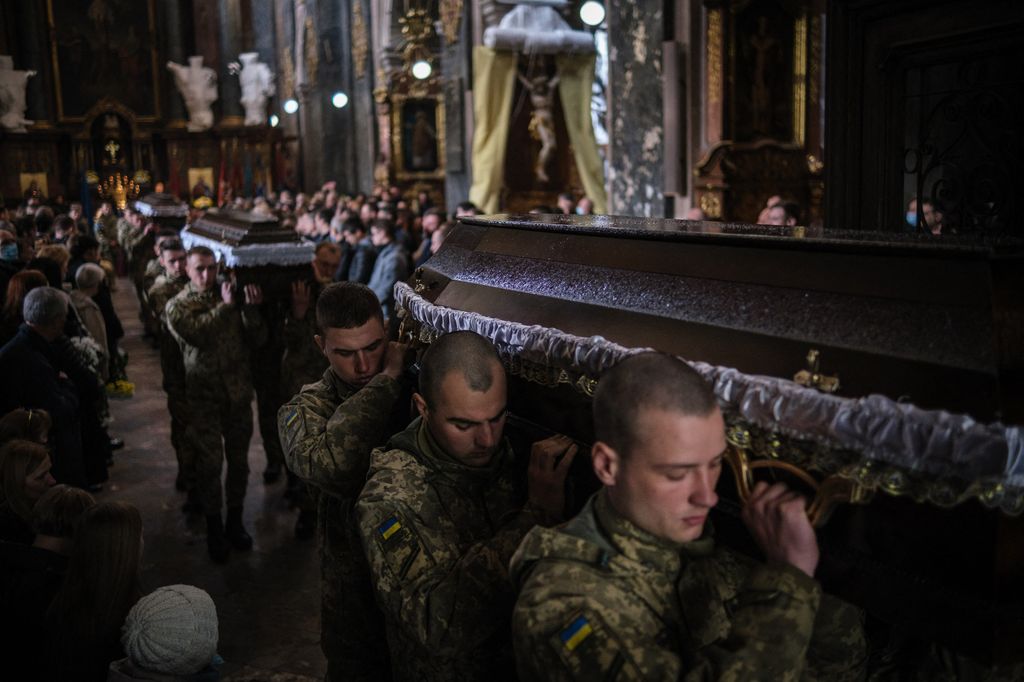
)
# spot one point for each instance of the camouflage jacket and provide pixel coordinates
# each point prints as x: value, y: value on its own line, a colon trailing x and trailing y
x: 215, y: 339
x: 171, y: 363
x: 303, y: 362
x: 163, y: 289
x: 438, y: 536
x: 152, y: 272
x: 601, y: 599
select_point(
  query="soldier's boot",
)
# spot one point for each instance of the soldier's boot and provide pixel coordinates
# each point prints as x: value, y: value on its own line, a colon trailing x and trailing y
x: 305, y: 527
x: 216, y: 540
x: 235, y: 531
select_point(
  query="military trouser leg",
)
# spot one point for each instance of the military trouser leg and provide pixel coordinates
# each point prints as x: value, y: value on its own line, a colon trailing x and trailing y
x: 266, y: 379
x: 221, y: 429
x: 237, y: 425
x: 354, y: 640
x: 178, y: 406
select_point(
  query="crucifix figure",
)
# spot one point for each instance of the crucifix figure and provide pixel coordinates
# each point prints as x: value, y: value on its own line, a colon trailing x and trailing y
x: 542, y: 121
x: 111, y: 148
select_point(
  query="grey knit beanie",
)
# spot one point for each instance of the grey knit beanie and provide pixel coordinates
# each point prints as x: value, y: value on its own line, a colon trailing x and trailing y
x: 172, y: 630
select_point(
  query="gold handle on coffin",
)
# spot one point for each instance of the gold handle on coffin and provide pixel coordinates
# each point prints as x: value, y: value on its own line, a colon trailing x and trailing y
x: 828, y: 493
x: 812, y: 376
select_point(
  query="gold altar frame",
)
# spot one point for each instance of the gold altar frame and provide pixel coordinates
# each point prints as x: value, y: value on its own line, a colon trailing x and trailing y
x: 402, y: 173
x: 151, y: 11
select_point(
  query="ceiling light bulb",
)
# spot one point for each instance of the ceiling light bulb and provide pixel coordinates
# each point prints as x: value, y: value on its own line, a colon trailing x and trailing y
x: 421, y: 69
x: 274, y: 120
x: 592, y: 13
x: 291, y: 106
x: 339, y: 100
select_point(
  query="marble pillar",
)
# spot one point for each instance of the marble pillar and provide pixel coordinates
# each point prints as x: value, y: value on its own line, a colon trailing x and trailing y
x: 362, y: 103
x: 455, y: 72
x: 229, y: 13
x: 635, y: 108
x: 170, y: 34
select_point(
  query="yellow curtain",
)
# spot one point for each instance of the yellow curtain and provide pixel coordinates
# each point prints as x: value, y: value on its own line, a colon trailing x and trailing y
x: 494, y: 76
x: 576, y: 78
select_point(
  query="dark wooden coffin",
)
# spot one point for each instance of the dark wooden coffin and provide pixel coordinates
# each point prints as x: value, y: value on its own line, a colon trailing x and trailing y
x: 164, y: 209
x: 935, y: 324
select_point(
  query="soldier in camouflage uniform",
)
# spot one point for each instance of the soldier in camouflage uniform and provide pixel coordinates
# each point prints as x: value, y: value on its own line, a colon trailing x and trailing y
x: 328, y: 431
x: 154, y: 268
x: 166, y: 286
x: 215, y: 337
x: 442, y: 512
x: 634, y: 587
x: 303, y: 362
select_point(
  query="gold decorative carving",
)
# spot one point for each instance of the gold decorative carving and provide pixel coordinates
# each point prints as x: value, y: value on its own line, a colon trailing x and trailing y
x: 812, y: 376
x: 312, y: 55
x: 360, y: 43
x: 287, y: 74
x: 451, y: 19
x: 711, y: 204
x: 800, y: 79
x: 814, y: 164
x: 397, y: 133
x: 714, y: 56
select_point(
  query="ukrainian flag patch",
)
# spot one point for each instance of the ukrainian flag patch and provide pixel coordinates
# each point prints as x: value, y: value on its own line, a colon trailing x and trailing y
x: 576, y: 633
x: 292, y: 418
x: 389, y: 528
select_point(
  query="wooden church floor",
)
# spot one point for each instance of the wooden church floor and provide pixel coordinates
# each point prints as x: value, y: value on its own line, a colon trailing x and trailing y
x: 268, y: 600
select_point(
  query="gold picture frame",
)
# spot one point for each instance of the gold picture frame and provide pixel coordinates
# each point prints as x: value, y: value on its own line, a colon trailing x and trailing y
x: 154, y: 74
x: 25, y: 181
x: 417, y: 131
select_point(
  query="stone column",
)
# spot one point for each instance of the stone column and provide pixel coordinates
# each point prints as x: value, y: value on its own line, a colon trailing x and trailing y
x: 455, y: 72
x: 229, y: 12
x: 174, y: 50
x: 263, y: 27
x: 635, y: 35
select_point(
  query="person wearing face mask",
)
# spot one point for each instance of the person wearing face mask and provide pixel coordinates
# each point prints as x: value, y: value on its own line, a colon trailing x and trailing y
x: 634, y: 588
x: 442, y: 511
x: 10, y: 260
x: 932, y: 217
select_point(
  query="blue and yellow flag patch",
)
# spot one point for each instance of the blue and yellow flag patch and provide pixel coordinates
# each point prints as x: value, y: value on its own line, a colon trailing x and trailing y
x: 293, y: 416
x: 389, y: 528
x: 577, y: 631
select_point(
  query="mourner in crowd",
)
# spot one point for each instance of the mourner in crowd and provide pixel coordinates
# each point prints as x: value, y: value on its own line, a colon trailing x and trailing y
x: 215, y: 328
x: 634, y: 587
x: 442, y: 512
x: 328, y: 431
x: 391, y: 265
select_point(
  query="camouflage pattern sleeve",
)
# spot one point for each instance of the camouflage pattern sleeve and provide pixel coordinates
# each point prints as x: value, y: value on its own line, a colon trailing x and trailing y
x: 838, y: 651
x: 159, y: 295
x: 194, y: 321
x: 329, y: 445
x: 255, y: 327
x: 594, y: 637
x: 446, y: 597
x: 772, y: 620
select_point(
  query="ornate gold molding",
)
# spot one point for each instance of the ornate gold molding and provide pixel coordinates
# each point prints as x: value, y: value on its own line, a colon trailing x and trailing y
x: 800, y: 80
x: 312, y: 55
x: 360, y: 43
x: 714, y: 56
x: 451, y: 19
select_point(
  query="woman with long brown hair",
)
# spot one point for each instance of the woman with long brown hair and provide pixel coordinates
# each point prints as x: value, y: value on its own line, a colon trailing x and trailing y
x: 101, y: 586
x: 19, y: 286
x: 24, y: 477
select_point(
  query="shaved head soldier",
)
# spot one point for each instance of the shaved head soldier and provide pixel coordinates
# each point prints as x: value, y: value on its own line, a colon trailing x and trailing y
x: 634, y: 587
x: 442, y: 512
